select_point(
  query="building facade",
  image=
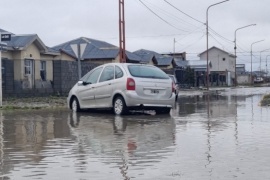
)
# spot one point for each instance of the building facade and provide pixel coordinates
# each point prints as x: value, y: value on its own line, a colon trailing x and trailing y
x: 221, y: 65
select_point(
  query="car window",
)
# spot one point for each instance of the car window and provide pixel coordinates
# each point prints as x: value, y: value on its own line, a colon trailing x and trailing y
x: 107, y: 74
x: 147, y: 72
x: 93, y: 77
x: 118, y: 72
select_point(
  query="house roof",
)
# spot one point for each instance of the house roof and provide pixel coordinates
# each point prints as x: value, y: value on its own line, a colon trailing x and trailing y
x: 95, y: 49
x: 21, y: 42
x: 240, y: 65
x: 4, y: 31
x: 197, y: 64
x: 133, y: 57
x: 180, y: 63
x: 214, y: 47
x: 164, y: 61
x: 147, y: 56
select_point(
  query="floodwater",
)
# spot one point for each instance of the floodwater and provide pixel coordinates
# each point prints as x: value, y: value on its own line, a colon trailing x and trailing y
x: 221, y: 136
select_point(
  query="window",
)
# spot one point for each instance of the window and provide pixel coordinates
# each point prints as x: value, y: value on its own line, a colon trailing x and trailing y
x: 107, y: 74
x: 147, y: 72
x: 27, y: 67
x: 43, y: 70
x: 118, y: 72
x: 93, y: 77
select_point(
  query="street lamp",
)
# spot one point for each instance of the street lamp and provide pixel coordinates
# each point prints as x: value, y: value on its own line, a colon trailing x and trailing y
x: 207, y: 59
x: 266, y: 64
x: 235, y: 76
x: 261, y: 60
x: 251, y: 60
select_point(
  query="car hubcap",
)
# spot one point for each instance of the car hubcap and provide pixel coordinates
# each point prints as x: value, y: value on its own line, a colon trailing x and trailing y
x: 74, y: 105
x: 118, y: 106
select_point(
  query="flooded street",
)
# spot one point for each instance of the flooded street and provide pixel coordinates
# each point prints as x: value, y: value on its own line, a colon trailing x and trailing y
x: 220, y: 136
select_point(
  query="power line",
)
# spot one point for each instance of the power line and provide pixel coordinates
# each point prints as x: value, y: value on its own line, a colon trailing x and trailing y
x: 214, y: 32
x: 196, y: 41
x: 171, y: 15
x: 220, y: 35
x: 218, y: 42
x: 161, y: 17
x: 199, y: 22
x: 183, y: 12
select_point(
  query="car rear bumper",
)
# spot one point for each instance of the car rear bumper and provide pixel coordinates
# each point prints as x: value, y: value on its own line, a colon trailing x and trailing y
x: 133, y: 100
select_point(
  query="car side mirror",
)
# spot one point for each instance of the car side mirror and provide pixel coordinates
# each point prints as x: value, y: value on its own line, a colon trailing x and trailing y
x: 80, y: 83
x: 83, y: 83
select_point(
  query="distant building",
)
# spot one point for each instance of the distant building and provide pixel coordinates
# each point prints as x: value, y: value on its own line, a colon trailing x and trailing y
x: 96, y: 51
x: 154, y: 58
x: 240, y: 69
x: 179, y: 56
x: 27, y: 63
x: 221, y: 65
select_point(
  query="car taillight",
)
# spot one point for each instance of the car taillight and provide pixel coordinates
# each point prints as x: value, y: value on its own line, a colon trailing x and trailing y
x: 173, y: 87
x: 130, y: 84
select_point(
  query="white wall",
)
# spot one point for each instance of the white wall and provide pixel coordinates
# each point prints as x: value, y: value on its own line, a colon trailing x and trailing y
x: 220, y: 60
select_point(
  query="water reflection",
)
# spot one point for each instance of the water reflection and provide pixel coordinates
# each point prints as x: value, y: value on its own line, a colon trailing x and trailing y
x: 36, y: 144
x: 215, y: 106
x: 225, y: 136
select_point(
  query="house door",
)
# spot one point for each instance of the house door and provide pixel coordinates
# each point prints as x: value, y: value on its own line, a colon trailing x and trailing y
x: 29, y: 74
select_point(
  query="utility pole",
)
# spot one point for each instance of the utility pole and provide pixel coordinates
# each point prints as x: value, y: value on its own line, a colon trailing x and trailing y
x: 207, y: 33
x: 235, y: 50
x: 1, y: 99
x: 174, y: 46
x: 251, y: 78
x: 122, y: 41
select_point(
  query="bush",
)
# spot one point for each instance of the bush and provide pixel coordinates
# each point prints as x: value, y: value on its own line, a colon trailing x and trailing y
x: 266, y: 100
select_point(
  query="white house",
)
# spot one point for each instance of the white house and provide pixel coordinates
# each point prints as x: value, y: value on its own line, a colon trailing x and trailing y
x: 221, y: 65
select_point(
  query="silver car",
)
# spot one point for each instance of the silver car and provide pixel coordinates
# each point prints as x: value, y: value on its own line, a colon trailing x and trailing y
x: 123, y: 87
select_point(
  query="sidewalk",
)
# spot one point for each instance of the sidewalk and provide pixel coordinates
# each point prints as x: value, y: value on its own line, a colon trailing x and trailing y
x: 34, y: 102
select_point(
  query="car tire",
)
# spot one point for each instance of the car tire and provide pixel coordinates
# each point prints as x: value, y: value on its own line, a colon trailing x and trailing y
x: 75, y: 105
x: 164, y: 110
x: 119, y: 106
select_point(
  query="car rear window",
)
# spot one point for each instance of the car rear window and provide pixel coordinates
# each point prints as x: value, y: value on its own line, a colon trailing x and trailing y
x: 147, y: 72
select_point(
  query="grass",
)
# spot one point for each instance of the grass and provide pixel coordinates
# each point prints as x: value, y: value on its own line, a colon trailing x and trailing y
x: 34, y: 103
x: 266, y: 100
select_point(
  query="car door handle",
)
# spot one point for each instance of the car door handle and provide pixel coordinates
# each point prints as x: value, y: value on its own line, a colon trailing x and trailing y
x: 110, y: 84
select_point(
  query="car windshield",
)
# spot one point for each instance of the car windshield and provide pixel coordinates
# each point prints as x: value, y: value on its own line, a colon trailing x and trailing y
x: 147, y: 72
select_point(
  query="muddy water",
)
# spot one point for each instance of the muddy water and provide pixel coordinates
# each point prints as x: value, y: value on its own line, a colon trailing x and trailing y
x: 221, y: 136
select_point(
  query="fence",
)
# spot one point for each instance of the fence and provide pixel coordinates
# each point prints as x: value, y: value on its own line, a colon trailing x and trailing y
x: 65, y: 75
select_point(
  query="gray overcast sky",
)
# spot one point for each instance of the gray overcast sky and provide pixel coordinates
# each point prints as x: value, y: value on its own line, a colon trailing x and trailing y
x: 58, y: 21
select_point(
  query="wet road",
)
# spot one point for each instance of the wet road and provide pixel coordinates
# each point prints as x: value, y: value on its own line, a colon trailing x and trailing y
x: 224, y: 136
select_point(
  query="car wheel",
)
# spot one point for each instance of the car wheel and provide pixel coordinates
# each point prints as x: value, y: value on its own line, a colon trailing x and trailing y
x: 119, y: 106
x: 164, y: 110
x: 75, y: 105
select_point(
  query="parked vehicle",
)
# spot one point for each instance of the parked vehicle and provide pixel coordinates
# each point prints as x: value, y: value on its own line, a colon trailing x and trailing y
x: 123, y: 87
x: 176, y: 85
x: 258, y: 80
